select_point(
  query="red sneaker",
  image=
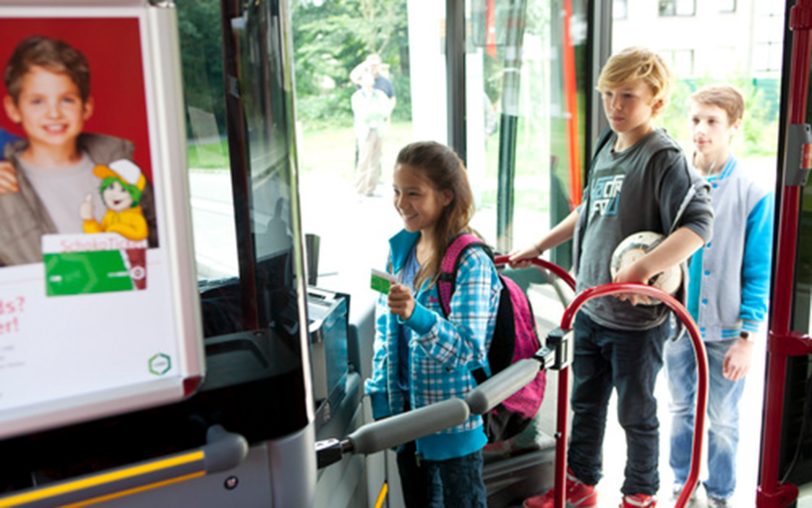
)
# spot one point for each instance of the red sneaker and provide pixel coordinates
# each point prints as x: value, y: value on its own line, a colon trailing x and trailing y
x: 579, y: 495
x: 638, y: 501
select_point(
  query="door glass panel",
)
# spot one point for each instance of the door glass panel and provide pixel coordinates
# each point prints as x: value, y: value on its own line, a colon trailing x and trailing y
x: 242, y: 186
x: 525, y: 90
x: 704, y: 58
x: 349, y: 132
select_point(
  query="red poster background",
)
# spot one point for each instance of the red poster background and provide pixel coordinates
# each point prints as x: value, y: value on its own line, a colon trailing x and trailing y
x: 112, y: 47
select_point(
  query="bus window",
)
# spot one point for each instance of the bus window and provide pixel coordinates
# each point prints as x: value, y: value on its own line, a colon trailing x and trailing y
x: 349, y: 135
x: 201, y: 44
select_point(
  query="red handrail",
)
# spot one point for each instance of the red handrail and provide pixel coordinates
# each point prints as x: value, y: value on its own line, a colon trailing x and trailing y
x: 544, y: 264
x: 567, y: 319
x: 702, y: 375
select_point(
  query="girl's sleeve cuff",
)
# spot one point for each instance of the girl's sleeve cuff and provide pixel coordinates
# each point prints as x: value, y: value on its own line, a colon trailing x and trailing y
x: 750, y: 326
x: 380, y: 405
x: 421, y: 320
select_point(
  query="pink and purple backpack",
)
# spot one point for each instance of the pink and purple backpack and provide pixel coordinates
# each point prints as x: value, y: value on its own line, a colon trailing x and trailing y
x: 514, y: 338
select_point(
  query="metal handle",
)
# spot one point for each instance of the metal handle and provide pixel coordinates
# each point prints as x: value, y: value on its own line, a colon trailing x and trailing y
x: 496, y: 389
x: 408, y: 426
x: 543, y: 264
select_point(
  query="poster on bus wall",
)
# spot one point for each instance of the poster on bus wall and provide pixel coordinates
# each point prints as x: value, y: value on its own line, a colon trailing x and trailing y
x: 88, y: 320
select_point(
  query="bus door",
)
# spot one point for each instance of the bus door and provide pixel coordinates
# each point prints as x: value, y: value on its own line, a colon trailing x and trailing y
x: 786, y: 446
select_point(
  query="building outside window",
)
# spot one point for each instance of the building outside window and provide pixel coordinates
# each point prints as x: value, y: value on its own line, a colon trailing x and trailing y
x: 680, y: 60
x: 677, y: 7
x: 767, y: 57
x: 620, y: 9
x: 727, y: 6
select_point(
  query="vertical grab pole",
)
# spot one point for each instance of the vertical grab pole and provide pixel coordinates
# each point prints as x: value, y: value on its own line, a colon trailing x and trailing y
x: 772, y: 494
x: 560, y: 471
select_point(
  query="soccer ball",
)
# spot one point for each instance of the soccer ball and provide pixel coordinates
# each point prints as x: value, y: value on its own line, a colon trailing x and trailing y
x: 635, y: 246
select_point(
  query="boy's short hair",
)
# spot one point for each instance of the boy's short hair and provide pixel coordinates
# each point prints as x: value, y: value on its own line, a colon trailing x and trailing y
x: 52, y: 54
x: 637, y: 64
x: 725, y: 97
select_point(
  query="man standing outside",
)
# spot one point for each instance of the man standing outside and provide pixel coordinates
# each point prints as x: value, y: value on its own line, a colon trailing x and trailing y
x: 728, y: 294
x: 370, y: 108
x: 371, y: 66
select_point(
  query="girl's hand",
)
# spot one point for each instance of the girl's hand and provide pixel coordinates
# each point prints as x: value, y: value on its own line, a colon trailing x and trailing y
x: 634, y: 272
x: 520, y: 258
x: 8, y: 178
x: 401, y: 301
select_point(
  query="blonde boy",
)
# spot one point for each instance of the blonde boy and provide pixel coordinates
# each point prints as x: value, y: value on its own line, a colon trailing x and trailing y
x: 48, y: 85
x: 639, y: 181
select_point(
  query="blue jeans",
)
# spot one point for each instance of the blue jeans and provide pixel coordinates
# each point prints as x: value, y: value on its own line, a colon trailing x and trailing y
x: 723, y: 413
x: 452, y: 483
x: 628, y: 361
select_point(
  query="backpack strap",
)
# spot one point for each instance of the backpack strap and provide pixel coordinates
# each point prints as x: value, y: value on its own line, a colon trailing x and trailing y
x: 451, y: 263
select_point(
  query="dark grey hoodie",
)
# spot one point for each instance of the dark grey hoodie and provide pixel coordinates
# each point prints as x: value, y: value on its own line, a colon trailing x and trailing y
x: 647, y: 187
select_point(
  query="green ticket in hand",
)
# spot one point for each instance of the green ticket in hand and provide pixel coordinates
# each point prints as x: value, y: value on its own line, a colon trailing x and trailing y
x: 381, y: 281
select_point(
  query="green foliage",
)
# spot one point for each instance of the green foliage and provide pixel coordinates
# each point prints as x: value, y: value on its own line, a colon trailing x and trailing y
x: 201, y: 45
x: 759, y: 133
x: 330, y: 38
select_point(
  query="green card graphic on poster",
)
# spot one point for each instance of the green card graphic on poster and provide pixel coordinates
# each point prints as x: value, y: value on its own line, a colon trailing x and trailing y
x: 94, y: 301
x: 94, y: 271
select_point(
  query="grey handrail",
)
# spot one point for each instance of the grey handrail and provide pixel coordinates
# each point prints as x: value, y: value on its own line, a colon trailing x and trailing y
x: 411, y: 425
x: 492, y: 392
x: 405, y: 427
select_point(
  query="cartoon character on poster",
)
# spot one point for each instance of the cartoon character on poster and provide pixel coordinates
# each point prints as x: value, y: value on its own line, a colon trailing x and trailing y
x: 122, y: 185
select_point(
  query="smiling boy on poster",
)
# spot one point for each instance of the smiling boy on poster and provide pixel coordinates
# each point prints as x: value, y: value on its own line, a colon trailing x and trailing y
x: 48, y: 87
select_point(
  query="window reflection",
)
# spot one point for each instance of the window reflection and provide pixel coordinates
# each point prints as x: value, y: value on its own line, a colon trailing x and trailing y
x: 525, y: 72
x: 201, y: 45
x: 241, y: 215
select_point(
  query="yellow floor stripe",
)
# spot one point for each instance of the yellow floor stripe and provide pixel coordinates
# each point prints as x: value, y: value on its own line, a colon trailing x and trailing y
x: 382, y: 495
x: 134, y: 490
x: 101, y: 479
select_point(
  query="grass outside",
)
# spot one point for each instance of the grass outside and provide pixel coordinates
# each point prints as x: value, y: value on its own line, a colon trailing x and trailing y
x: 213, y: 155
x: 333, y: 149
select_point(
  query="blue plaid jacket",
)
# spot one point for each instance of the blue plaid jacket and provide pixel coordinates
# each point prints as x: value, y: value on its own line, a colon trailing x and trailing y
x: 443, y: 351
